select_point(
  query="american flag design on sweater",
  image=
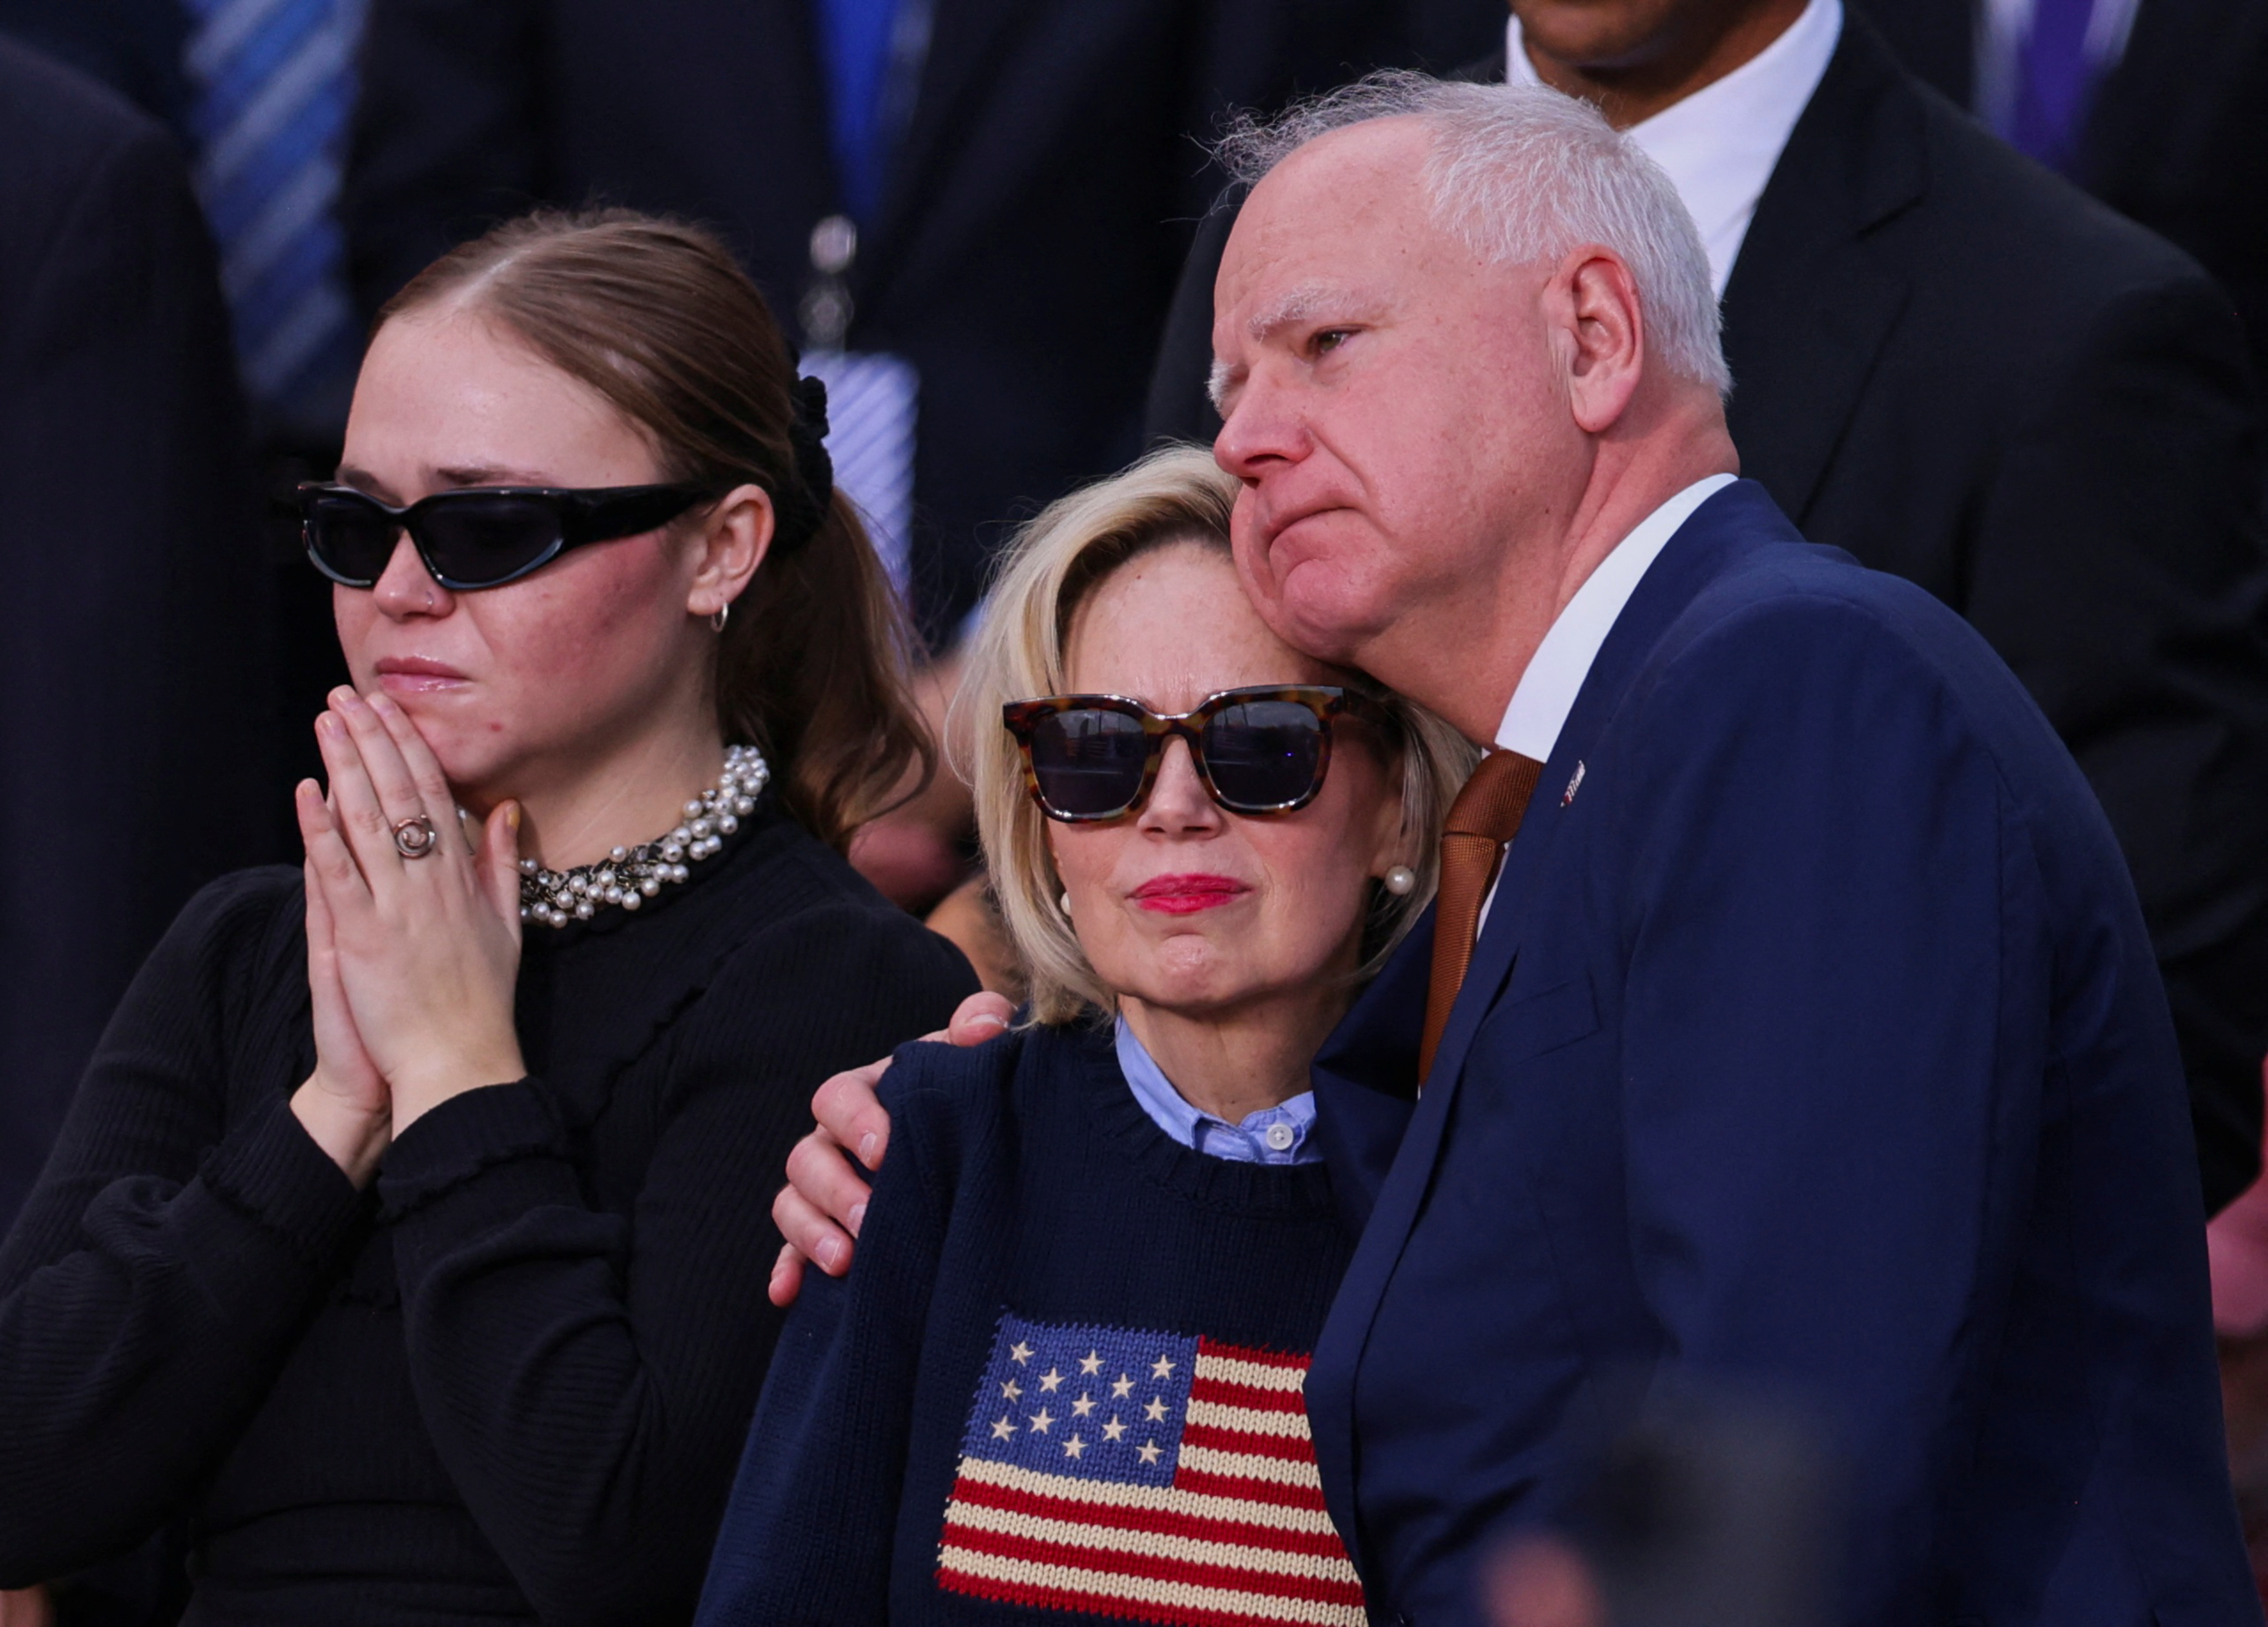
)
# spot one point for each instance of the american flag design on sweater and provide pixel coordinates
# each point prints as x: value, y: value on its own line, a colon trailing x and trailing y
x: 1149, y: 1477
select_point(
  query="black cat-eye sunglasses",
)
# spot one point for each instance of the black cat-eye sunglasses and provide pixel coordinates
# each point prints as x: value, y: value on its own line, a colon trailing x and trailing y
x: 480, y: 536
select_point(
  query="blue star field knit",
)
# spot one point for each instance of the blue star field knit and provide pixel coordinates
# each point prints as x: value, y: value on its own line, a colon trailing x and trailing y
x: 1061, y: 1381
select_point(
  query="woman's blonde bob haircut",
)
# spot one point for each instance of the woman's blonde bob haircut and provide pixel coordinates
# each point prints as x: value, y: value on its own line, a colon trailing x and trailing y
x: 1177, y: 495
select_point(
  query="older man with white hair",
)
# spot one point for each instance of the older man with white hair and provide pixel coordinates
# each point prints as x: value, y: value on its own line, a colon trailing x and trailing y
x: 1812, y: 1043
x: 1958, y: 368
x: 1805, y: 1042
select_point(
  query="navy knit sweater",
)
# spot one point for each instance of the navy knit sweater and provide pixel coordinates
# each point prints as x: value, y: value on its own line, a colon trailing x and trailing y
x: 1062, y: 1379
x: 511, y: 1383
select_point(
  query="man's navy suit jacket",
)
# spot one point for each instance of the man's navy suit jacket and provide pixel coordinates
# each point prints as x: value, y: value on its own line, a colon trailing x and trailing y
x: 1813, y: 1046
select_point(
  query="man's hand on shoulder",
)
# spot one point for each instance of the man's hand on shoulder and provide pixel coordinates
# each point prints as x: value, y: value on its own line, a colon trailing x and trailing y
x: 819, y: 1212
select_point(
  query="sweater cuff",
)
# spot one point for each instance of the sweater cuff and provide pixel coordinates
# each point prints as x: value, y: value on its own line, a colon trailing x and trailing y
x: 465, y: 1134
x: 272, y: 1171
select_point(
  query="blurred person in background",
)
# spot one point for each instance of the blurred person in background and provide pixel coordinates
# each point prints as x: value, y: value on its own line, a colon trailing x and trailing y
x: 135, y: 762
x: 259, y: 93
x: 2158, y: 107
x: 382, y: 1244
x: 932, y: 192
x: 131, y: 769
x: 1961, y: 370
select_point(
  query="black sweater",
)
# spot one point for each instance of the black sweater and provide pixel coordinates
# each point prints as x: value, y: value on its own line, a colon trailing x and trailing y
x: 1063, y: 1374
x: 511, y: 1382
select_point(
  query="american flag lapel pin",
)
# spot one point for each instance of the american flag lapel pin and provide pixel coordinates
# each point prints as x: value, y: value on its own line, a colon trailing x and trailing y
x: 1573, y: 785
x: 1148, y: 1476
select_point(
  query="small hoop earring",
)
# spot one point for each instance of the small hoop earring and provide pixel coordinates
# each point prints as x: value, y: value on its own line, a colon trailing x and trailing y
x: 717, y: 622
x: 1401, y: 880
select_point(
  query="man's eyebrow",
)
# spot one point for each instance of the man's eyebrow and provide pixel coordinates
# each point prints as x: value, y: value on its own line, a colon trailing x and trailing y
x: 1295, y: 305
x: 1290, y: 309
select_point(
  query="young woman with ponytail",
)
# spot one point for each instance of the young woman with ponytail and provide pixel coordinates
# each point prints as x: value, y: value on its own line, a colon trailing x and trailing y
x: 404, y: 1249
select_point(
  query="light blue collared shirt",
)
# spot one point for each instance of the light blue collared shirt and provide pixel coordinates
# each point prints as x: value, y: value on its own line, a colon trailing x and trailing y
x: 1276, y: 1134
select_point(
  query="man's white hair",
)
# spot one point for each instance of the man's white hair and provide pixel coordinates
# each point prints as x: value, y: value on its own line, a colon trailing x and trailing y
x: 1523, y: 175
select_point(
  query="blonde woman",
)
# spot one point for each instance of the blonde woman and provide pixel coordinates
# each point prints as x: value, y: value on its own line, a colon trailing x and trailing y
x: 1066, y: 1370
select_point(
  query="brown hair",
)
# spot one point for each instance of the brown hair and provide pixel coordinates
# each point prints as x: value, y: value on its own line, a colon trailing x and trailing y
x: 658, y: 318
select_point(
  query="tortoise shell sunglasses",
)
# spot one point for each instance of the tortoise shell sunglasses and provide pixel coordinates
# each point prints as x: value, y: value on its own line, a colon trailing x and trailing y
x: 1257, y: 751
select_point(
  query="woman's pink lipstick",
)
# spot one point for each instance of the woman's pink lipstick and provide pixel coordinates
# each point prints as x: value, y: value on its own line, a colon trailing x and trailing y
x: 414, y: 675
x: 1188, y: 894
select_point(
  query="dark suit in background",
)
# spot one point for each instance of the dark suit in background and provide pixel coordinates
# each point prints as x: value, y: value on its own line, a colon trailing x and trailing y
x: 1035, y: 215
x: 137, y: 48
x: 132, y: 750
x: 1963, y: 371
x: 2175, y: 135
x: 132, y: 46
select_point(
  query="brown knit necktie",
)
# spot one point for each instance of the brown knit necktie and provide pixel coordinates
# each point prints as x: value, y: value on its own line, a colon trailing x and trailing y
x: 1485, y: 815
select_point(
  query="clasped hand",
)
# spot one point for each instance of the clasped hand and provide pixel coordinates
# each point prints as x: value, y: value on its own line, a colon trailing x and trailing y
x: 411, y: 960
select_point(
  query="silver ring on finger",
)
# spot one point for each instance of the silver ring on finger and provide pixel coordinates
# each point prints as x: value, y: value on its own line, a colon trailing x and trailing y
x: 415, y: 838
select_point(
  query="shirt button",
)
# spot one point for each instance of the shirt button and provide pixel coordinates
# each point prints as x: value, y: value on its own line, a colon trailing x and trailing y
x: 834, y: 245
x: 1279, y: 1135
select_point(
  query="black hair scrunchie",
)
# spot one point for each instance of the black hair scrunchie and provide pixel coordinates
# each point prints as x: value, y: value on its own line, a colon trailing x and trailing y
x: 806, y: 433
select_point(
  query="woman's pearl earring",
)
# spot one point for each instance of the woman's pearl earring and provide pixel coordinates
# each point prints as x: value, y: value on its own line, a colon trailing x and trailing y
x: 1065, y: 901
x: 1401, y: 880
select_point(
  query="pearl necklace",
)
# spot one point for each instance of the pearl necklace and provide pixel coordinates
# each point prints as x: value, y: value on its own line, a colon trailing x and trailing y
x: 627, y: 876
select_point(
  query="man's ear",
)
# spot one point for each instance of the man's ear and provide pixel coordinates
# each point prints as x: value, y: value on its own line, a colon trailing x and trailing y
x: 733, y: 543
x: 1594, y: 299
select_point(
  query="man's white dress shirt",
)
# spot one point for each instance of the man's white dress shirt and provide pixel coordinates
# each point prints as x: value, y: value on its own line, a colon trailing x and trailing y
x: 1546, y: 691
x: 1720, y: 144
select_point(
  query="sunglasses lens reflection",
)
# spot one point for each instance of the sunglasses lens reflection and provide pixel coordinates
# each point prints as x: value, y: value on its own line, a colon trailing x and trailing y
x: 352, y: 537
x: 1264, y: 754
x: 482, y: 537
x: 1089, y: 761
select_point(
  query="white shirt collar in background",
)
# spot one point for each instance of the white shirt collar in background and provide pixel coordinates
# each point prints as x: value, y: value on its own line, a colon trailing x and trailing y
x: 1546, y: 691
x: 1720, y: 144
